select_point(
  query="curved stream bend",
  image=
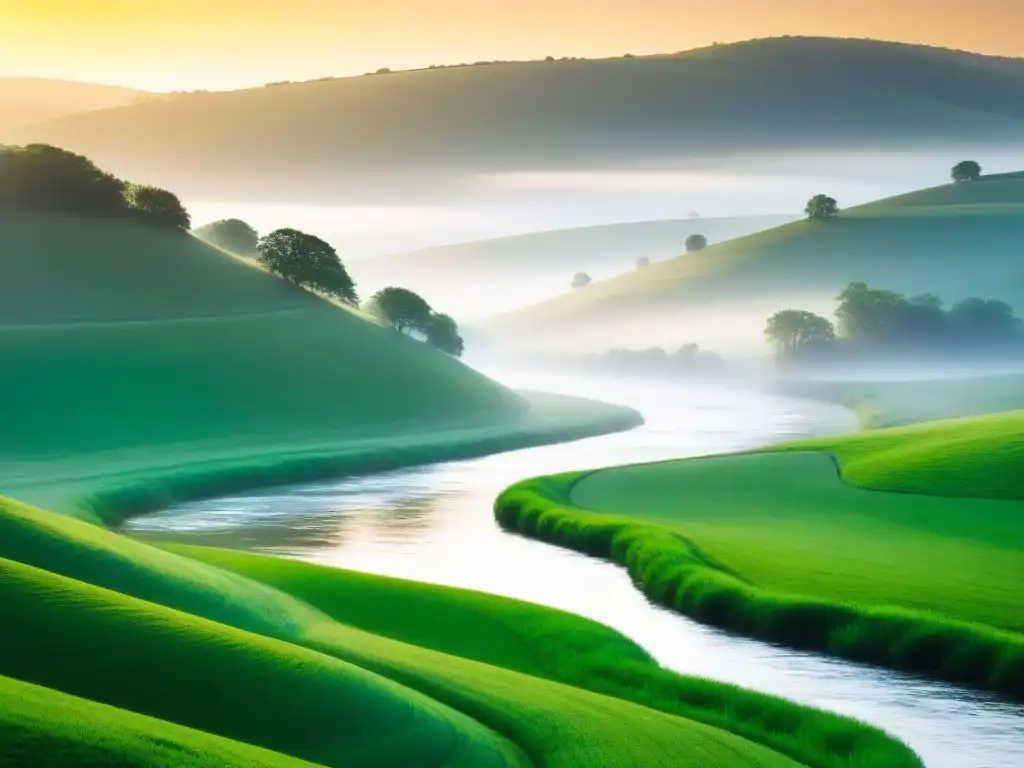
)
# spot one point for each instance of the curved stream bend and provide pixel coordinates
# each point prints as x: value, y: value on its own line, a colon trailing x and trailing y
x: 434, y: 524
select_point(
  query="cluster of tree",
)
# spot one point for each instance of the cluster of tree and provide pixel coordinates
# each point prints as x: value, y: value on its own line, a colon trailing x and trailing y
x: 689, y: 359
x: 870, y: 321
x: 409, y: 313
x: 230, y: 234
x: 39, y: 177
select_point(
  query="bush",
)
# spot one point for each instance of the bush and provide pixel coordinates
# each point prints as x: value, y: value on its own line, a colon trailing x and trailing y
x: 231, y: 235
x: 966, y: 170
x: 581, y: 280
x: 643, y: 262
x: 404, y: 310
x: 157, y: 207
x: 821, y: 207
x: 696, y: 243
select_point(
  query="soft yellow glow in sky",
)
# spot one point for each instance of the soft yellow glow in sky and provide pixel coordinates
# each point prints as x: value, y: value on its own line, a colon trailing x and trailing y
x: 186, y: 44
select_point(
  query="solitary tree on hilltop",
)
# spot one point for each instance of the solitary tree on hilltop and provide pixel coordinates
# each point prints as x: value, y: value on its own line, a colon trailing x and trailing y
x: 308, y: 261
x: 966, y: 170
x: 231, y: 234
x: 158, y: 207
x: 643, y: 262
x: 821, y: 207
x: 696, y: 243
x: 581, y: 280
x: 792, y: 330
x: 404, y: 310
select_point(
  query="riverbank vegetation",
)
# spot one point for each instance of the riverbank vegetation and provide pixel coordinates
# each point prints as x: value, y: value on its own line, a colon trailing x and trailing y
x: 741, y: 542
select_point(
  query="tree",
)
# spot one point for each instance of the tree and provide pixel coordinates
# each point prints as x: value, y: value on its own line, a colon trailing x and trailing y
x: 307, y: 261
x: 402, y: 309
x: 581, y: 280
x: 158, y: 207
x: 869, y: 315
x: 966, y: 170
x: 821, y: 207
x: 983, y: 320
x: 443, y: 333
x: 696, y: 243
x: 792, y: 331
x: 39, y: 177
x: 643, y: 262
x: 230, y: 234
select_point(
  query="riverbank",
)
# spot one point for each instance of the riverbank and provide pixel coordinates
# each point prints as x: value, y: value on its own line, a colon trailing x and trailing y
x: 739, y: 542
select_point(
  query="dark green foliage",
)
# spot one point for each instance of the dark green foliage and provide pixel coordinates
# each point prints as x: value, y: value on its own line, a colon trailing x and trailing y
x: 581, y: 280
x: 821, y: 207
x: 308, y: 261
x: 230, y: 234
x: 966, y: 170
x: 402, y: 309
x: 443, y: 333
x: 793, y: 331
x: 39, y: 177
x: 696, y: 243
x: 873, y: 321
x: 157, y: 207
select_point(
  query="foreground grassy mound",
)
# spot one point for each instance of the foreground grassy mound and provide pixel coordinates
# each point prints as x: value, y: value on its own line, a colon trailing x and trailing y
x: 957, y: 240
x: 297, y: 662
x: 131, y: 353
x: 540, y: 265
x: 777, y: 546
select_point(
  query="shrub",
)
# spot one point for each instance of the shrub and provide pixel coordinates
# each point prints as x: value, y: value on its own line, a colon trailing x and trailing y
x: 158, y: 207
x: 230, y: 234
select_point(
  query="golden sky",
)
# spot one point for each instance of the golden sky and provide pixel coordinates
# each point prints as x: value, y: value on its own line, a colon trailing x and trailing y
x: 186, y: 44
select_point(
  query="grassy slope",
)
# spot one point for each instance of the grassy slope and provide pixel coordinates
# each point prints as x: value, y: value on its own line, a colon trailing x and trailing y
x: 954, y: 240
x: 539, y: 265
x: 766, y: 95
x: 764, y: 543
x: 129, y: 351
x: 356, y: 698
x: 898, y: 402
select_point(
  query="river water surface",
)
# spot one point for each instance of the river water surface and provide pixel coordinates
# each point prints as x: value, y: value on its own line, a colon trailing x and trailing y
x: 435, y: 524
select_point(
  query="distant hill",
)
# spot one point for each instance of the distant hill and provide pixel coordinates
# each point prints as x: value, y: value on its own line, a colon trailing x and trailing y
x: 506, y: 273
x: 349, y: 136
x: 956, y: 240
x: 28, y: 100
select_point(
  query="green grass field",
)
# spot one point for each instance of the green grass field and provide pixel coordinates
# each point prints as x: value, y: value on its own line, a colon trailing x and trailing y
x: 911, y: 558
x: 143, y: 368
x: 955, y: 241
x: 140, y: 355
x: 277, y: 662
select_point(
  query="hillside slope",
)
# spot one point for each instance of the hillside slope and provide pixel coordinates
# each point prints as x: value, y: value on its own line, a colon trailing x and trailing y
x: 28, y: 100
x: 761, y: 96
x: 536, y: 266
x: 953, y: 240
x: 128, y: 350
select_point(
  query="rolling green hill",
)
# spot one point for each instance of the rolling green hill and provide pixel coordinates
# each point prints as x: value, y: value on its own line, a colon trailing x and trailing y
x: 132, y: 353
x: 28, y: 100
x: 207, y: 657
x: 909, y: 556
x: 540, y: 265
x: 334, y: 136
x: 954, y: 240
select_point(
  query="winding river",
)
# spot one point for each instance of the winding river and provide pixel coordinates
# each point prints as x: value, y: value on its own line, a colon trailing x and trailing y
x: 435, y: 524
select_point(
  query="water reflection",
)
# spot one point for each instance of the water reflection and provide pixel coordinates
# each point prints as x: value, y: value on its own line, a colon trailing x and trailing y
x: 434, y: 524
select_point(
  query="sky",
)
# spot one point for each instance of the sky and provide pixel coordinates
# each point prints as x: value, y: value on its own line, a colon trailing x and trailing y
x: 217, y: 44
